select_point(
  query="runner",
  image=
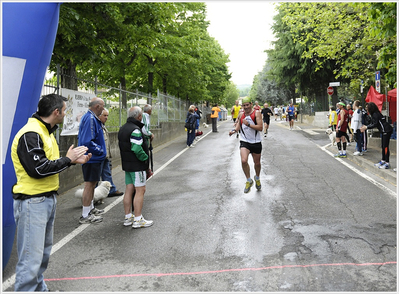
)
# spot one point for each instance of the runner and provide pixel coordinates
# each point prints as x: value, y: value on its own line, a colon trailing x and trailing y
x: 250, y: 125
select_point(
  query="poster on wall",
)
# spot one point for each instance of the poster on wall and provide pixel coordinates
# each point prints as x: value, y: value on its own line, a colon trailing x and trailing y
x: 76, y: 106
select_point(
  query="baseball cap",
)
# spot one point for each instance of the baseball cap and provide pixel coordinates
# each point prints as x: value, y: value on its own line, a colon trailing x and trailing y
x: 246, y: 100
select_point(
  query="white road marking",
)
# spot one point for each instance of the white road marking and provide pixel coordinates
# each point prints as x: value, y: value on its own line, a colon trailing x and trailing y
x: 374, y: 182
x: 10, y: 281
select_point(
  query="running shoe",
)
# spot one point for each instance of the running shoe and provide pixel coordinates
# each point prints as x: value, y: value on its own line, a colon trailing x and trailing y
x: 128, y: 221
x: 384, y: 166
x: 91, y: 218
x: 258, y: 186
x: 357, y: 153
x: 96, y: 211
x: 248, y: 186
x: 337, y: 155
x: 142, y: 223
x: 342, y: 155
x: 378, y: 164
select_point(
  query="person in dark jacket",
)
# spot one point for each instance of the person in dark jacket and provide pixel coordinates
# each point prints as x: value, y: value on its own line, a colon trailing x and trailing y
x: 91, y: 135
x: 378, y: 121
x: 191, y: 119
x: 135, y: 162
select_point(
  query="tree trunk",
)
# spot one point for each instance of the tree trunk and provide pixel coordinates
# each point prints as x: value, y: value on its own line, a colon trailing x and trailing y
x: 164, y: 80
x: 68, y: 77
x: 123, y: 86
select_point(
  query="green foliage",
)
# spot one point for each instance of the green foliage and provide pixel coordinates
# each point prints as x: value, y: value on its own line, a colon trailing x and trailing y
x: 231, y: 95
x: 144, y: 46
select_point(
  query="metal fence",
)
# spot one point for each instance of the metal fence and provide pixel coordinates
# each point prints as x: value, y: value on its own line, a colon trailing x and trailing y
x: 165, y: 108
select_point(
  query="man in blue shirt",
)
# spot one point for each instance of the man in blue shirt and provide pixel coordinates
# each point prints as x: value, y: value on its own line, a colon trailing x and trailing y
x: 291, y: 114
x: 91, y: 135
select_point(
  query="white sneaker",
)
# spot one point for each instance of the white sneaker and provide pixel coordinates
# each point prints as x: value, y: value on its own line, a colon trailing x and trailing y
x: 356, y: 153
x: 142, y: 223
x: 128, y: 221
x: 378, y: 164
x: 384, y: 166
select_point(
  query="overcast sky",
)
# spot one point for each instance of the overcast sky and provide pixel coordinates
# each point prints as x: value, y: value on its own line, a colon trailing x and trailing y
x: 243, y: 29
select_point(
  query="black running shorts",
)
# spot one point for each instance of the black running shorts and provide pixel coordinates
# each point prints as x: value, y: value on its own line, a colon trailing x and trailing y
x: 92, y: 171
x: 255, y: 148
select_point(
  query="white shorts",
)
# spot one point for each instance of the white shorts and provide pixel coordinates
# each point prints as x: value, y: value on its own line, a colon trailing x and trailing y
x: 138, y: 179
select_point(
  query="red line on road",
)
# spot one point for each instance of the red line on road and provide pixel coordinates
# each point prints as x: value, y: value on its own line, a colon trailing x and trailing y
x: 223, y: 271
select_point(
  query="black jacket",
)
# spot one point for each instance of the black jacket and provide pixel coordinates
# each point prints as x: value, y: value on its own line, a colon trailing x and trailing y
x: 130, y: 162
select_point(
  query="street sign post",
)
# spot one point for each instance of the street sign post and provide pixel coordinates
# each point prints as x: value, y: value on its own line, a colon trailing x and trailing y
x: 378, y: 82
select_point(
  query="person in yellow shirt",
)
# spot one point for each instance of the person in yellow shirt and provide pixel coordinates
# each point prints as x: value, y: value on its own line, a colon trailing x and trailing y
x: 214, y: 116
x: 235, y: 110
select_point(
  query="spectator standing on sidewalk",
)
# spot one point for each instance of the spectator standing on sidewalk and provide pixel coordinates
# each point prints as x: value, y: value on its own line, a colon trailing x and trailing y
x: 214, y: 116
x: 135, y: 162
x: 266, y: 113
x: 250, y: 126
x: 191, y: 120
x: 350, y: 112
x: 342, y: 126
x: 366, y: 120
x: 378, y: 121
x: 332, y: 118
x: 37, y: 165
x: 148, y: 135
x: 91, y: 135
x: 106, y: 173
x: 356, y: 124
x: 197, y: 124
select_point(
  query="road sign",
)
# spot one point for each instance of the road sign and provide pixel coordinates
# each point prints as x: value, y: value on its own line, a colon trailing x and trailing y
x: 378, y: 82
x: 334, y: 84
x: 330, y: 91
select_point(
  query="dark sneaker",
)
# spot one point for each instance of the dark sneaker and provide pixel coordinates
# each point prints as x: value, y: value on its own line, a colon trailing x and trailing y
x: 116, y: 193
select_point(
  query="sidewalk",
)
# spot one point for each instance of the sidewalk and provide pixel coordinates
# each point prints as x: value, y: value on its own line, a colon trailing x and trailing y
x: 367, y: 161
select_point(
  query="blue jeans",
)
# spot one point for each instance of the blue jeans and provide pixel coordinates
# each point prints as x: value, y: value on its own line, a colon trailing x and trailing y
x: 190, y: 137
x: 106, y: 174
x: 34, y: 218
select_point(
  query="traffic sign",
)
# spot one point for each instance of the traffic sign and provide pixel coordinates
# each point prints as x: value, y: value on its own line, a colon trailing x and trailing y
x: 330, y: 91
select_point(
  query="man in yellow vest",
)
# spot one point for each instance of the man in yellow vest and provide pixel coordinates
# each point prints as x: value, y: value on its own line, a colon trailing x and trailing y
x: 37, y: 163
x: 214, y: 116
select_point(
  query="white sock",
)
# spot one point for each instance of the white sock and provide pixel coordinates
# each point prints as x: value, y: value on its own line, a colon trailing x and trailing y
x: 85, y: 211
x: 256, y: 178
x: 137, y: 218
x: 249, y: 179
x: 128, y: 215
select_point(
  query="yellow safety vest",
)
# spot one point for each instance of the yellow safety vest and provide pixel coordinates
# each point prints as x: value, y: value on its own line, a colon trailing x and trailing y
x: 26, y: 184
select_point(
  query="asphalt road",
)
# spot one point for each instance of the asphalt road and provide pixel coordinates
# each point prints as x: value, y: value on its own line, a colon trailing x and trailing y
x: 318, y: 224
